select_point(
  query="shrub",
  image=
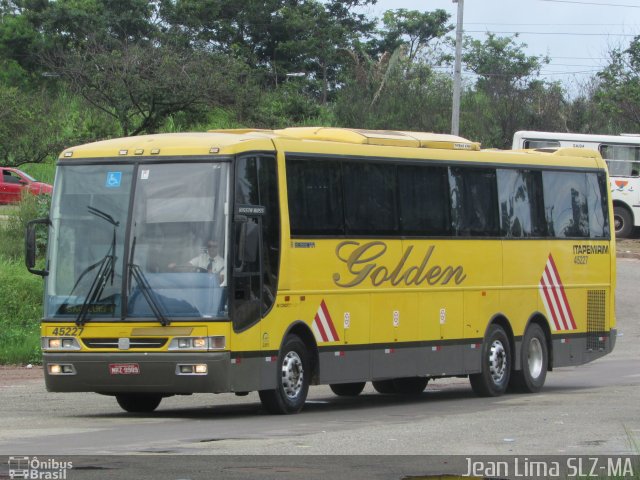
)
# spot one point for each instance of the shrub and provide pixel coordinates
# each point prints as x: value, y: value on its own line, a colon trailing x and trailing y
x: 21, y: 296
x: 12, y: 230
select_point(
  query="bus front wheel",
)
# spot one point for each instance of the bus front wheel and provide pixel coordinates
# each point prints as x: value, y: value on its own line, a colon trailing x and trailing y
x: 292, y: 381
x: 622, y: 222
x: 493, y: 379
x: 534, y: 359
x: 138, y: 402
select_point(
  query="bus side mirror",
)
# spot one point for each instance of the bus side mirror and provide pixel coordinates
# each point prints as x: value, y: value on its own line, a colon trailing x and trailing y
x: 30, y: 246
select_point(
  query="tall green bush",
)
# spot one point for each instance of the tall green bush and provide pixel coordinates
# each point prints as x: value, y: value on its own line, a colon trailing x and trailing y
x: 20, y: 313
x: 21, y: 292
x: 12, y: 229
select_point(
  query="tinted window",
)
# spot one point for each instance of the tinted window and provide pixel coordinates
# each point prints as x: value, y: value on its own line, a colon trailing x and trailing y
x: 565, y: 204
x: 521, y: 203
x: 474, y: 202
x: 597, y: 207
x: 315, y: 197
x: 423, y: 195
x: 541, y: 144
x: 369, y: 199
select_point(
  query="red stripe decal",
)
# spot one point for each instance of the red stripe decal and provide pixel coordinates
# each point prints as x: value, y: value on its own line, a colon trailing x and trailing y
x: 327, y: 316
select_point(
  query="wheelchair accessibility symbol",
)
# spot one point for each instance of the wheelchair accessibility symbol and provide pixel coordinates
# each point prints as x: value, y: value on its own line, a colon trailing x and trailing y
x: 113, y: 179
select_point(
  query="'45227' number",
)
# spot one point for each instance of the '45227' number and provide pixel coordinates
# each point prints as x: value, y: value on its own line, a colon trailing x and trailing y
x: 67, y: 331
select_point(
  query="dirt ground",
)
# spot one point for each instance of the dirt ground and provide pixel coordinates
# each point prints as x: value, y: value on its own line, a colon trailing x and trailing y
x: 10, y: 374
x: 628, y: 247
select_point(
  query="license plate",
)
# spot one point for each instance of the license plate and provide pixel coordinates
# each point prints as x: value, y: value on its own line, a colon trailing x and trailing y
x: 124, y: 369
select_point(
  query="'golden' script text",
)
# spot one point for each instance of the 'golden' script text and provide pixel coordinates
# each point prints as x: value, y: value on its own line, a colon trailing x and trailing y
x: 362, y: 263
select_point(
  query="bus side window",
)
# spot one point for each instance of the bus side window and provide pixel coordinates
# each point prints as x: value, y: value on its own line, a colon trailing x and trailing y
x: 521, y: 203
x: 622, y: 160
x: 474, y: 202
x: 565, y: 203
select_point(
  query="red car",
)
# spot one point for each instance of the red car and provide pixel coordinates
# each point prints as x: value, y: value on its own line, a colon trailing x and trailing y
x: 13, y: 182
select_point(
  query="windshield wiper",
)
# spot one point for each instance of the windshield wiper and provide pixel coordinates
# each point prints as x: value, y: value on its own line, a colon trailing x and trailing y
x: 147, y: 292
x: 105, y: 272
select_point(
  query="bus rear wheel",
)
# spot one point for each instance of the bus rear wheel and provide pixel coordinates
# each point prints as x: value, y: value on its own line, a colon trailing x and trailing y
x: 534, y: 359
x: 493, y: 379
x: 138, y: 402
x: 347, y: 389
x: 622, y: 222
x: 410, y: 385
x: 384, y: 386
x: 292, y: 381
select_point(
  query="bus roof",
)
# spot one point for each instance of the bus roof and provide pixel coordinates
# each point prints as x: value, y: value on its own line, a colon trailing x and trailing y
x: 215, y: 141
x: 318, y: 139
x: 626, y: 139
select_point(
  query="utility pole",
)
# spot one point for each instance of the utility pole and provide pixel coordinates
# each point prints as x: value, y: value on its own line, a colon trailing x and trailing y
x: 457, y: 73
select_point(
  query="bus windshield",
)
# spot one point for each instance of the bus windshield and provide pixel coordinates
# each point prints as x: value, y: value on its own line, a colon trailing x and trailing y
x: 172, y: 265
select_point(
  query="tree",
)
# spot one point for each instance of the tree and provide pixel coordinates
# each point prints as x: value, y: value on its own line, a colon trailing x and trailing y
x: 276, y: 37
x: 413, y: 29
x: 30, y: 126
x: 394, y: 93
x: 20, y: 43
x: 504, y: 91
x: 141, y: 84
x: 619, y: 90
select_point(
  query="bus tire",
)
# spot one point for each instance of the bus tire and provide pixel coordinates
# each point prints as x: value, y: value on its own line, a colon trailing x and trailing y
x: 138, y: 402
x: 410, y: 385
x: 622, y: 222
x: 347, y: 389
x: 292, y: 381
x: 493, y: 379
x: 534, y: 358
x: 384, y: 386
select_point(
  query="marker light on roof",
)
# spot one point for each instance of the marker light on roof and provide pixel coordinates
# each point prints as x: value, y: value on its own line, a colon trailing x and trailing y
x: 139, y: 151
x: 68, y: 154
x: 155, y: 151
x: 214, y: 150
x: 123, y: 152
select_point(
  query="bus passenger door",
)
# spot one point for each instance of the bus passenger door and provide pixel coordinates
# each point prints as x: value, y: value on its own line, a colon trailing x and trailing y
x: 256, y: 256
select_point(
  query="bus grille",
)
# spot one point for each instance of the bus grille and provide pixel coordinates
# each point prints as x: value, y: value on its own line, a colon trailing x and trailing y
x: 596, y: 302
x: 133, y: 342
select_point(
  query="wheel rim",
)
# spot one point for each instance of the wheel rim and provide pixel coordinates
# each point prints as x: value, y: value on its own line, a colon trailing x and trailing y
x: 535, y: 358
x: 618, y: 222
x: 497, y: 362
x: 292, y: 374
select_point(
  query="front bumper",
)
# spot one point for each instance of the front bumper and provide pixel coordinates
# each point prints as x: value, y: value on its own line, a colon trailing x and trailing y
x: 157, y: 373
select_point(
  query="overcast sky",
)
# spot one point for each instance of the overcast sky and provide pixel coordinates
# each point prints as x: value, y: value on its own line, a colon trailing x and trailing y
x: 575, y: 34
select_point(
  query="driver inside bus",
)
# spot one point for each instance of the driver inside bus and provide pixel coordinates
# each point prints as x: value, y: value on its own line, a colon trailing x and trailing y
x: 209, y: 261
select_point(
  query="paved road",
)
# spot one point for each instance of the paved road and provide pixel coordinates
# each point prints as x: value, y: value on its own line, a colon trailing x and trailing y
x: 591, y: 409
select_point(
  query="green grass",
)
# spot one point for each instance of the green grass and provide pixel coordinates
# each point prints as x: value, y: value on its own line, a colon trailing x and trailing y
x: 43, y: 172
x: 8, y: 209
x: 21, y: 296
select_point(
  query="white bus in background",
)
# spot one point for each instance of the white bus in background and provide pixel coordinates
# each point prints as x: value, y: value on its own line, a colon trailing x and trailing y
x: 622, y: 154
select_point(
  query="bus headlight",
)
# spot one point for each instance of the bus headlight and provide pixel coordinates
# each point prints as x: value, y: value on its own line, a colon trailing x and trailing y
x: 61, y: 369
x: 191, y: 369
x: 60, y: 343
x: 197, y: 343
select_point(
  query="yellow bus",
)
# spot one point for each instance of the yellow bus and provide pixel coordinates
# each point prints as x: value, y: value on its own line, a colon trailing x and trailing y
x: 269, y: 261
